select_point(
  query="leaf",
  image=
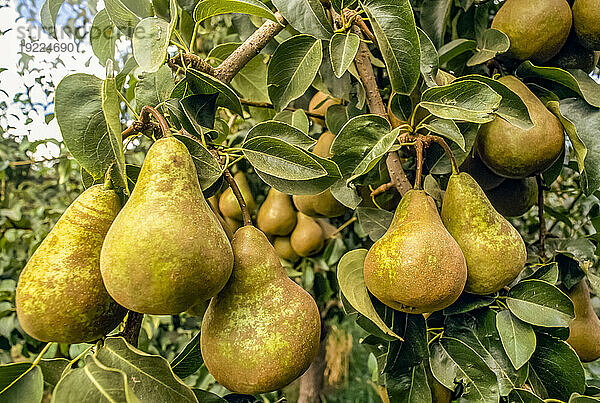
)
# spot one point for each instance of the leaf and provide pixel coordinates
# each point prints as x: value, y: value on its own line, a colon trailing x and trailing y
x: 209, y: 8
x: 306, y: 16
x: 204, y: 396
x: 297, y: 119
x: 396, y: 33
x: 82, y: 124
x: 150, y: 42
x: 578, y: 145
x: 574, y: 80
x: 491, y: 43
x: 518, y: 338
x: 468, y: 302
x: 455, y: 48
x: 150, y: 376
x: 409, y: 385
x: 577, y: 398
x: 48, y: 15
x: 126, y: 14
x: 292, y: 69
x: 207, y: 167
x: 467, y: 100
x: 28, y: 389
x: 189, y: 360
x: 94, y: 383
x: 446, y: 128
x: 52, y: 369
x: 511, y: 108
x: 442, y: 165
x: 547, y: 272
x: 541, y: 304
x: 111, y: 107
x: 343, y: 49
x: 523, y: 396
x: 282, y: 131
x: 202, y: 83
x: 153, y: 88
x: 558, y: 367
x: 374, y: 222
x: 434, y: 18
x: 429, y: 59
x: 298, y: 187
x: 103, y: 37
x: 413, y: 350
x: 352, y: 285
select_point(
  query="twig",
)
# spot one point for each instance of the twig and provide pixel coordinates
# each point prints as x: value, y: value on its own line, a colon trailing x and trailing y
x: 145, y: 118
x: 419, y: 162
x: 184, y: 60
x: 447, y: 150
x: 31, y: 162
x: 344, y: 225
x: 271, y: 106
x: 234, y: 188
x: 131, y: 333
x: 541, y: 246
x: 382, y: 189
x: 353, y: 17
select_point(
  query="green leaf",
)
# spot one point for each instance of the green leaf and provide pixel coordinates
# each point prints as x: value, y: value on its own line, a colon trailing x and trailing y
x: 52, y: 369
x: 207, y: 167
x: 396, y: 33
x: 523, y: 396
x: 547, y: 272
x: 282, y: 131
x: 429, y: 59
x: 455, y: 48
x: 306, y: 16
x: 491, y: 43
x: 578, y: 145
x: 48, y: 15
x: 82, y: 124
x: 446, y: 128
x: 153, y: 88
x: 103, y: 37
x: 374, y: 222
x: 210, y: 8
x: 541, y: 304
x: 292, y: 69
x: 197, y: 82
x: 558, y: 367
x: 467, y: 100
x: 28, y: 389
x: 434, y: 19
x: 150, y: 376
x: 352, y: 285
x: 189, y: 360
x: 296, y: 119
x: 343, y: 49
x: 94, y: 383
x: 111, y: 107
x: 577, y: 398
x: 574, y: 80
x: 150, y: 42
x: 511, y: 108
x: 442, y: 165
x: 409, y: 385
x: 298, y: 187
x: 468, y: 302
x: 204, y: 396
x: 126, y: 14
x: 518, y: 338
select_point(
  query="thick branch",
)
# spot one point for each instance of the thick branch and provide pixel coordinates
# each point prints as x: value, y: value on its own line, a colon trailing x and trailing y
x: 131, y: 333
x: 183, y: 60
x: 249, y: 49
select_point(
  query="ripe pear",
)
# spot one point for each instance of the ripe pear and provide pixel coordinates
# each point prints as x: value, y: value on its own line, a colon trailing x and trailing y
x: 228, y: 203
x: 416, y: 266
x: 232, y: 225
x: 262, y: 330
x: 516, y: 153
x: 322, y: 204
x: 514, y: 197
x: 276, y: 216
x: 284, y: 249
x: 319, y: 104
x: 166, y: 250
x: 494, y: 249
x: 537, y: 29
x: 585, y: 21
x: 307, y: 238
x: 480, y: 172
x: 60, y: 295
x: 574, y: 56
x: 584, y: 330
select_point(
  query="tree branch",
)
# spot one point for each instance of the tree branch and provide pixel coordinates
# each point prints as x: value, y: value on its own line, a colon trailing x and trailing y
x: 145, y: 119
x: 183, y: 60
x: 131, y: 333
x: 541, y: 244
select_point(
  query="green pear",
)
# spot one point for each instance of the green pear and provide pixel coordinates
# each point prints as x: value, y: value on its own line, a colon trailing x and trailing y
x: 514, y: 197
x: 307, y: 238
x: 60, y: 295
x: 537, y: 29
x: 416, y: 266
x: 516, y: 153
x: 228, y: 203
x: 276, y: 216
x: 166, y: 250
x: 480, y: 172
x: 284, y: 249
x: 262, y: 330
x: 494, y: 249
x: 585, y: 21
x: 322, y: 204
x: 584, y: 330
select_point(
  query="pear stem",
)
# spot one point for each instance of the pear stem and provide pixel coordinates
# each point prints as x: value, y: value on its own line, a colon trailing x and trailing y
x: 131, y: 333
x: 541, y: 244
x: 145, y: 118
x: 108, y: 184
x: 234, y: 188
x: 447, y: 150
x: 419, y: 163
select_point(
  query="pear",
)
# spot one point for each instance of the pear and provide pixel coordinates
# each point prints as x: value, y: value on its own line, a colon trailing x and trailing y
x: 574, y: 56
x: 284, y: 249
x: 276, y: 216
x: 516, y: 153
x: 166, y: 250
x: 307, y: 238
x: 60, y: 295
x: 585, y: 21
x: 416, y: 266
x: 480, y: 172
x: 322, y: 204
x: 439, y: 393
x: 319, y: 104
x: 514, y: 197
x: 228, y: 203
x: 584, y: 330
x: 232, y: 225
x: 262, y: 330
x: 494, y: 249
x: 537, y: 29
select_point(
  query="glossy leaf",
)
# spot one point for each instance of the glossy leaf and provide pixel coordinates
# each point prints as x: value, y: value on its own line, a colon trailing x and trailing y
x: 342, y: 50
x: 429, y: 59
x: 445, y: 128
x: 207, y: 167
x: 518, y: 338
x: 409, y: 385
x: 28, y: 389
x: 189, y: 360
x: 126, y: 14
x: 523, y: 396
x: 373, y: 221
x: 468, y: 302
x: 298, y: 187
x: 150, y: 42
x: 306, y: 16
x: 111, y: 107
x: 210, y: 8
x: 197, y: 82
x: 103, y: 37
x: 455, y: 48
x: 541, y: 304
x: 491, y: 43
x: 282, y: 131
x: 297, y: 119
x: 154, y: 88
x: 52, y: 369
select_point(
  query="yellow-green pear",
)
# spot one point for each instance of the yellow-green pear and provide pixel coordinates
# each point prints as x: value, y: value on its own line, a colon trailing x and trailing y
x: 166, y: 250
x: 307, y: 238
x: 416, y: 266
x: 322, y: 204
x: 276, y: 216
x: 228, y: 203
x: 537, y: 29
x: 284, y: 249
x: 494, y: 249
x: 585, y: 21
x: 262, y: 330
x: 516, y: 153
x: 232, y: 225
x: 60, y: 295
x: 584, y: 330
x: 514, y: 197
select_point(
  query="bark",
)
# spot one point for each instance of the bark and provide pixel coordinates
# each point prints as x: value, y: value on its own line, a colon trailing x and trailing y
x: 311, y: 383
